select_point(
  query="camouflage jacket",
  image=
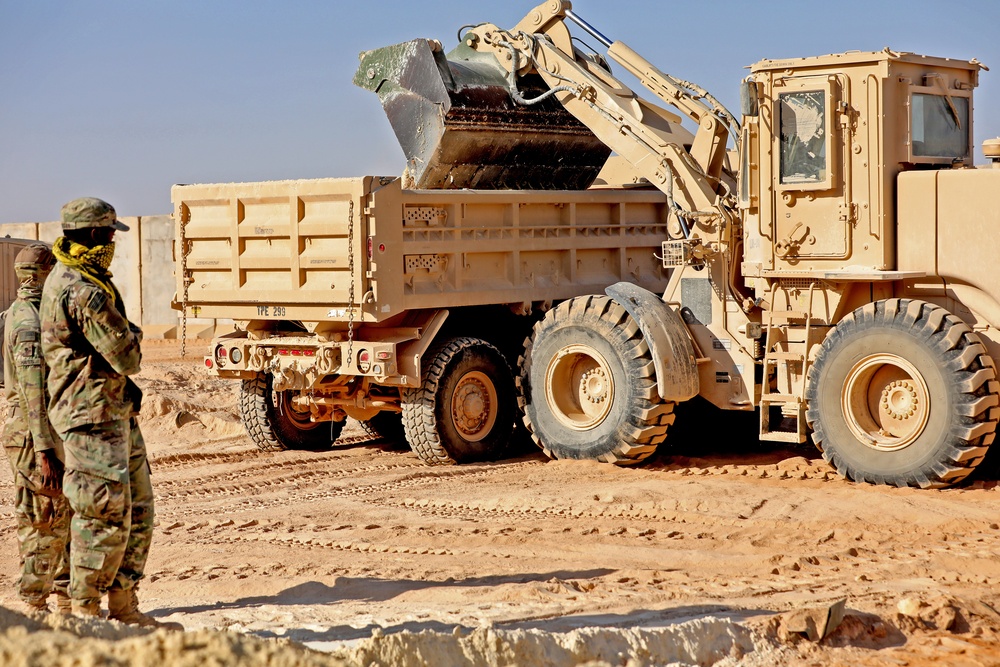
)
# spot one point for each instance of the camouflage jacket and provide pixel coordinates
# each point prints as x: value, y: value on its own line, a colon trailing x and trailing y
x: 25, y: 370
x: 90, y: 348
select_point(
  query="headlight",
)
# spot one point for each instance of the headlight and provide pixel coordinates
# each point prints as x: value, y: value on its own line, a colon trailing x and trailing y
x: 235, y: 355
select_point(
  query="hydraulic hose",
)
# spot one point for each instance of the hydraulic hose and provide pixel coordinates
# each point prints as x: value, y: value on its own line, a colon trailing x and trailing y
x: 515, y: 94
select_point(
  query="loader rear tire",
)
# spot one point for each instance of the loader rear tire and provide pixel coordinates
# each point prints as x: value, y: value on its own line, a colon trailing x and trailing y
x: 465, y: 407
x: 903, y: 393
x: 588, y: 385
x: 274, y: 422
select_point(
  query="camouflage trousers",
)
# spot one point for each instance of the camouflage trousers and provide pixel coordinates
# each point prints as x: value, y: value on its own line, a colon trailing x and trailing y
x: 108, y: 487
x: 42, y: 521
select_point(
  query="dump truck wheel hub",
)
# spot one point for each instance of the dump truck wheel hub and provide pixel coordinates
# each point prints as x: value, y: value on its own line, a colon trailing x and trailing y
x: 295, y: 408
x: 886, y: 402
x: 580, y: 387
x: 474, y: 406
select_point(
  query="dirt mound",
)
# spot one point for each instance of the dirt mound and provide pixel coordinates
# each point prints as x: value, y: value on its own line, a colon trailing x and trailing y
x: 56, y: 641
x: 182, y: 406
x: 708, y: 641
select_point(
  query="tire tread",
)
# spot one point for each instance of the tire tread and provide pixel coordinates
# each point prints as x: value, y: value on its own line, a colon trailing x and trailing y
x: 962, y: 355
x: 649, y: 420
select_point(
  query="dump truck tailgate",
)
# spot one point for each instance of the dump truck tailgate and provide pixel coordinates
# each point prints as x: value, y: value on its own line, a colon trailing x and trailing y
x: 255, y: 250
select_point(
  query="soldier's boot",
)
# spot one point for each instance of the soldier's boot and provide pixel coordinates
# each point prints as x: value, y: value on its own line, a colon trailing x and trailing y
x: 64, y: 605
x: 36, y: 608
x: 123, y: 606
x: 86, y: 608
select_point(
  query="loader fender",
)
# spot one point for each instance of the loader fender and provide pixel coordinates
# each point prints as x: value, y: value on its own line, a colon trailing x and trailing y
x: 667, y: 337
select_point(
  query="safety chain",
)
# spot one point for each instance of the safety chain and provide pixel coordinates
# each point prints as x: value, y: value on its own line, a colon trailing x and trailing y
x: 185, y: 215
x: 350, y: 290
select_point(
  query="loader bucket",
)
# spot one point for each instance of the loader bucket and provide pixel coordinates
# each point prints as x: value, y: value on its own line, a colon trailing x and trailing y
x: 459, y: 128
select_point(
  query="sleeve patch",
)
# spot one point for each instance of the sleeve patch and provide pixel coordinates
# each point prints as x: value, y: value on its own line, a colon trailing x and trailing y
x: 97, y: 301
x: 27, y: 337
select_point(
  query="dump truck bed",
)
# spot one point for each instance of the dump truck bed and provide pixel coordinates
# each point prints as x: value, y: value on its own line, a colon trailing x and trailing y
x: 309, y: 250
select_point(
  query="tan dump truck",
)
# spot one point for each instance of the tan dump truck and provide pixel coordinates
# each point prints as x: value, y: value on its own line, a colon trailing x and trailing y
x: 833, y: 268
x: 357, y: 298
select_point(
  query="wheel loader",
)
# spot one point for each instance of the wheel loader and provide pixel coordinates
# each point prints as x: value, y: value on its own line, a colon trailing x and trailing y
x: 824, y: 258
x: 822, y: 270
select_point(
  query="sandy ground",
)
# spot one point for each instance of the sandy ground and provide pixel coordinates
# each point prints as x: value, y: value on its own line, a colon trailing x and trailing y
x: 366, y: 554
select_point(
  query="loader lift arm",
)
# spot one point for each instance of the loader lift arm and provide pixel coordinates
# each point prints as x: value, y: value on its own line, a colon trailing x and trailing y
x: 691, y: 170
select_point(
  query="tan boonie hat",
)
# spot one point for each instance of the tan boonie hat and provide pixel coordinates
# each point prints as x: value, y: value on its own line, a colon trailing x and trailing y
x: 87, y: 212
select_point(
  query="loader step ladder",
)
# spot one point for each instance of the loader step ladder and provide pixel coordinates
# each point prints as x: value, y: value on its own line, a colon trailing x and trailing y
x: 792, y: 404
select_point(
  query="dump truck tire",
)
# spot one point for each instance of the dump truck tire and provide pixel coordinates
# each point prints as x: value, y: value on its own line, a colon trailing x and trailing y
x: 903, y: 393
x: 464, y: 409
x: 588, y: 385
x: 273, y: 423
x: 386, y: 425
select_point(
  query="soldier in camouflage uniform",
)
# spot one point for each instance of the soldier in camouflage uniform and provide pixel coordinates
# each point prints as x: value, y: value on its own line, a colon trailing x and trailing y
x: 91, y: 348
x: 34, y: 450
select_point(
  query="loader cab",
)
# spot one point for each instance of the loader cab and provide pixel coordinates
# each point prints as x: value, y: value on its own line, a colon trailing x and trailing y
x: 821, y: 155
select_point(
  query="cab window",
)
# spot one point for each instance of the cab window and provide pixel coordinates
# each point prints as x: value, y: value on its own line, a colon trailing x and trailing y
x: 940, y: 126
x: 803, y: 137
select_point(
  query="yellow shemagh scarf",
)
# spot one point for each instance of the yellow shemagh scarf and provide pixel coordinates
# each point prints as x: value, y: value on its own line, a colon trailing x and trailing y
x: 93, y: 263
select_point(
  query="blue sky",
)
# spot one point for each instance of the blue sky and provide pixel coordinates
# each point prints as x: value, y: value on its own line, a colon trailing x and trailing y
x: 123, y: 98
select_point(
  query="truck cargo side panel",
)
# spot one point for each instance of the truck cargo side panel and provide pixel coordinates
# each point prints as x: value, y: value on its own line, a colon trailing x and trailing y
x: 280, y: 251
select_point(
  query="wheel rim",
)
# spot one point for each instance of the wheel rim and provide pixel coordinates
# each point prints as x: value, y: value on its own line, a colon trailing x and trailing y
x: 294, y: 413
x: 579, y: 387
x: 886, y: 402
x: 474, y: 406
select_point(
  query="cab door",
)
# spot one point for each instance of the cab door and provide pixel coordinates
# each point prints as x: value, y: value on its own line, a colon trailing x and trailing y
x: 811, y: 221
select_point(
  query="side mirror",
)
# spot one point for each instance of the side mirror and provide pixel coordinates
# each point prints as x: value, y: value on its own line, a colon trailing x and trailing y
x: 749, y: 98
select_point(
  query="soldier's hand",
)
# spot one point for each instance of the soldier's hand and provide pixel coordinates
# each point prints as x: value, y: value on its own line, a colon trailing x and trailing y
x: 51, y: 469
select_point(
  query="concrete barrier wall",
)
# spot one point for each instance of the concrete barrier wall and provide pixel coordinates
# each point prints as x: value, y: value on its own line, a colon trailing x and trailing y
x: 143, y: 269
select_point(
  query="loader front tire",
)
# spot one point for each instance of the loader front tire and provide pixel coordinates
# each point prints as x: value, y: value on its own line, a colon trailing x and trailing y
x: 588, y: 385
x: 275, y: 422
x: 464, y: 409
x: 903, y: 393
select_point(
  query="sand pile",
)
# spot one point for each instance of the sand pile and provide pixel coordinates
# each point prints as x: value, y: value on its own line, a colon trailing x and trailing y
x: 708, y: 641
x: 59, y: 641
x: 65, y: 642
x: 163, y: 415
